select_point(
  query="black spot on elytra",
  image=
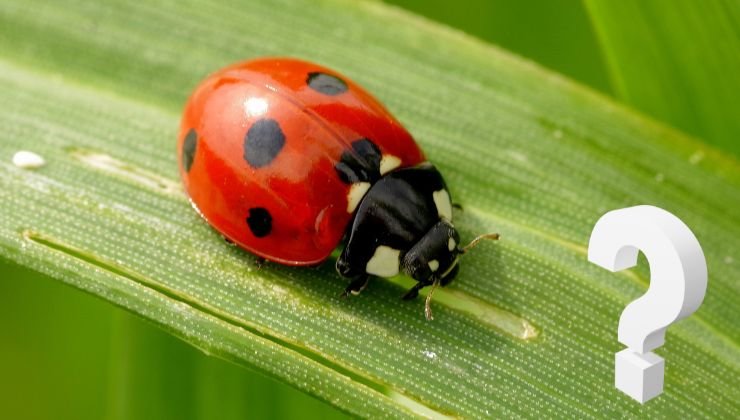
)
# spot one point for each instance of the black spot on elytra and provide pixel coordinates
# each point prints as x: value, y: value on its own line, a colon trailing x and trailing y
x: 326, y: 83
x: 259, y: 222
x: 263, y: 142
x: 188, y: 149
x: 360, y: 164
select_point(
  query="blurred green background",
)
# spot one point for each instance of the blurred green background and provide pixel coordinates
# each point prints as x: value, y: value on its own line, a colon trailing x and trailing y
x: 81, y: 358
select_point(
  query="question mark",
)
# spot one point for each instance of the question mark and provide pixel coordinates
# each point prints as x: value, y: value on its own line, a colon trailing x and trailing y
x: 678, y: 282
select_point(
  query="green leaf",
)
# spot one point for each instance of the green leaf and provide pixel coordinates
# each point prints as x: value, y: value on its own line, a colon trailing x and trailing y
x: 676, y: 60
x: 528, y: 328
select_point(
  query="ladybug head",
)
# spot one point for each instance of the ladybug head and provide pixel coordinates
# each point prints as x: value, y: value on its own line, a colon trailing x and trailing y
x: 433, y: 261
x: 434, y: 257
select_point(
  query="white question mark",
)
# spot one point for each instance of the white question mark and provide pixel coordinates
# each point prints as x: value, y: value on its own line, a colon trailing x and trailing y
x: 678, y: 282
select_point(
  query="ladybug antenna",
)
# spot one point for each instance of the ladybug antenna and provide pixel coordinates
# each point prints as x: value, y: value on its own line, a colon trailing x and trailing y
x: 475, y: 241
x: 436, y: 283
x: 428, y: 301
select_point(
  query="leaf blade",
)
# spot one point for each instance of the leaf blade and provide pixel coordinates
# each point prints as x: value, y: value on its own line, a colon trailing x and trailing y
x: 678, y: 62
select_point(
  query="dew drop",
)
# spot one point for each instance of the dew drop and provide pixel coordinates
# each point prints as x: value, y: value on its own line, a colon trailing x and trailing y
x: 28, y: 160
x: 430, y: 354
x: 697, y: 157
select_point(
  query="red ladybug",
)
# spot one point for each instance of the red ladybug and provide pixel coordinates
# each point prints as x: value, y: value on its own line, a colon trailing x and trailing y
x: 284, y: 157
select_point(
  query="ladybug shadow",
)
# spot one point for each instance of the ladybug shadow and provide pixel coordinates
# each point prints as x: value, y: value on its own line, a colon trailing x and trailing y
x: 321, y: 278
x: 322, y: 282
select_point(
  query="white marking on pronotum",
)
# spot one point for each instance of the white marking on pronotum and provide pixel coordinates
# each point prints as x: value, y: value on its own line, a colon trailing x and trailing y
x: 451, y: 244
x: 433, y: 265
x: 356, y: 192
x: 384, y: 262
x: 28, y: 160
x: 444, y: 206
x: 389, y: 163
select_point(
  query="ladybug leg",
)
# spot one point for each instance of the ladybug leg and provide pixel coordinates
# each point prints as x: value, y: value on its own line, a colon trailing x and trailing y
x: 414, y: 291
x: 357, y: 286
x: 457, y: 206
x: 260, y: 262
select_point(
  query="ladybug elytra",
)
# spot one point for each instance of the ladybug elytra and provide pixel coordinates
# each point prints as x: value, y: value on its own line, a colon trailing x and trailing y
x: 286, y: 158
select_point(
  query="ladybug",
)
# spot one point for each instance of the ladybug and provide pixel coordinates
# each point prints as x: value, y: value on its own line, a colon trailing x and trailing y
x: 286, y: 158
